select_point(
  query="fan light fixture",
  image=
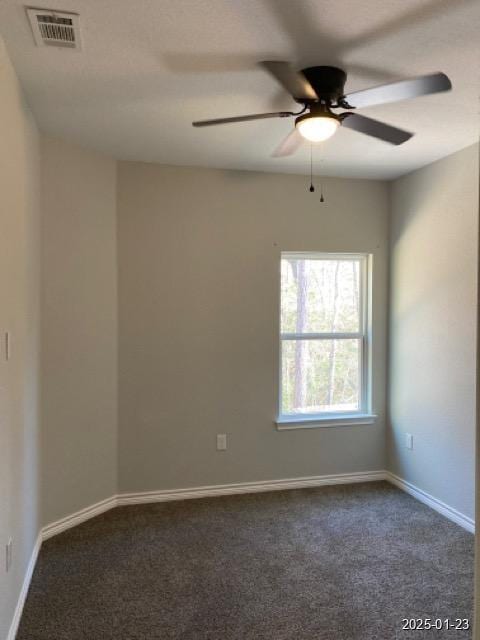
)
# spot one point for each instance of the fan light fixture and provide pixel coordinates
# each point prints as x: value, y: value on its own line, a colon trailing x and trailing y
x: 320, y: 89
x: 317, y: 128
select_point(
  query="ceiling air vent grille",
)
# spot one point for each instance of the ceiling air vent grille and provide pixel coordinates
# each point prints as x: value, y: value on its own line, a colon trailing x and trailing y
x: 55, y: 28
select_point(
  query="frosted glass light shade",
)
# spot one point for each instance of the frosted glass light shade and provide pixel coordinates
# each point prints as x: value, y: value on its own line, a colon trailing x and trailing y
x: 317, y: 129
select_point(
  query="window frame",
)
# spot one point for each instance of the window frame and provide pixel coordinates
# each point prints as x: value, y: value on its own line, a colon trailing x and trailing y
x: 363, y: 415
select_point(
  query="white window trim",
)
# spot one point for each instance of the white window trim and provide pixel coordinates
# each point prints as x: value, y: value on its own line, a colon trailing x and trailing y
x: 364, y: 415
x: 315, y: 422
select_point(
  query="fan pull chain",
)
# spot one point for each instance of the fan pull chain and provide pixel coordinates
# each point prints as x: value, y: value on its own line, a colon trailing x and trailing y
x: 312, y: 188
x: 322, y: 199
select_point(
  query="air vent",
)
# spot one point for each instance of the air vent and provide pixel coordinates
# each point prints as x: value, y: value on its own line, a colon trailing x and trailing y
x: 55, y: 28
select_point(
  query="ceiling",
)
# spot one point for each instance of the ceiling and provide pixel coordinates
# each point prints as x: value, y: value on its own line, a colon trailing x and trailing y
x: 150, y: 67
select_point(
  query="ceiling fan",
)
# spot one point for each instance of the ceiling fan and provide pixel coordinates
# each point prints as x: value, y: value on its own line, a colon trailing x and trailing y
x: 321, y: 89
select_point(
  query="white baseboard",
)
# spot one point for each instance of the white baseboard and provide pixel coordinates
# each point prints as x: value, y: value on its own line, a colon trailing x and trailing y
x: 78, y: 517
x: 248, y: 487
x: 24, y: 591
x: 447, y: 511
x: 145, y: 497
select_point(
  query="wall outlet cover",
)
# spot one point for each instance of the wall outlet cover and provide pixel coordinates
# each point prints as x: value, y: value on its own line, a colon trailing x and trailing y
x: 221, y: 441
x: 8, y: 345
x: 8, y: 554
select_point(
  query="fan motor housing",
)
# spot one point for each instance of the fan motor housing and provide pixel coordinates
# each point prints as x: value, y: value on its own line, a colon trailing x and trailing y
x: 318, y: 111
x: 328, y: 82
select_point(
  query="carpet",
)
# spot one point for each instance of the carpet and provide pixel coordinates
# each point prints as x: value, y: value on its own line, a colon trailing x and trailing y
x: 348, y: 562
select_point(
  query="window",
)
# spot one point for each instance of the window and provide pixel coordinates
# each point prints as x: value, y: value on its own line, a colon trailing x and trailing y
x: 324, y: 339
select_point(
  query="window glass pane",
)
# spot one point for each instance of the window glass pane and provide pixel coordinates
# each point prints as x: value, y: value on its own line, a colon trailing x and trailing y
x: 320, y: 376
x: 320, y: 296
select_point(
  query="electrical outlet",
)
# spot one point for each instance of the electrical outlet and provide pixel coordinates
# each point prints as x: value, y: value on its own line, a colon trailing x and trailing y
x: 8, y: 554
x: 409, y: 441
x: 221, y: 441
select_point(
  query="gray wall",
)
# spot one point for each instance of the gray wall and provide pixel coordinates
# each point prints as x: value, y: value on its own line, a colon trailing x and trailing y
x: 432, y: 327
x: 198, y: 322
x: 19, y: 314
x: 79, y: 328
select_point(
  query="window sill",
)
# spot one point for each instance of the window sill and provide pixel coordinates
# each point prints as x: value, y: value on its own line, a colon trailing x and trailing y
x: 287, y: 424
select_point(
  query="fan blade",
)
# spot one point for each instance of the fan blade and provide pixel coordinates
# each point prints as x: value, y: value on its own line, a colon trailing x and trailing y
x: 403, y: 90
x: 289, y: 145
x: 292, y: 81
x: 375, y: 128
x: 255, y: 116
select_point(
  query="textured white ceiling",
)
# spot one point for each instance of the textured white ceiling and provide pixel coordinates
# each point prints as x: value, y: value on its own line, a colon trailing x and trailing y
x: 150, y: 67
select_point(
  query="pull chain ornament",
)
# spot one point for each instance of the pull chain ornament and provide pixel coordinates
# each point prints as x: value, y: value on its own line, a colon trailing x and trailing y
x: 311, y: 188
